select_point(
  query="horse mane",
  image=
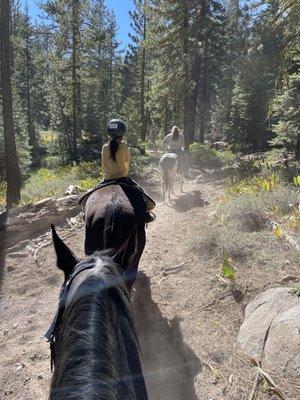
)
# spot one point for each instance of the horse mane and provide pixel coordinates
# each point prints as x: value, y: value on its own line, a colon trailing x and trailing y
x: 96, y: 342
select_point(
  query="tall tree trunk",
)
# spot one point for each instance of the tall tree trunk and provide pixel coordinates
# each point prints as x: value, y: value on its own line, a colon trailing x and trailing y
x: 75, y: 78
x: 204, y: 99
x: 186, y: 72
x: 66, y: 139
x: 297, y: 156
x: 233, y: 25
x: 11, y: 159
x: 166, y: 117
x: 31, y: 130
x: 190, y: 107
x: 143, y: 77
x: 190, y: 111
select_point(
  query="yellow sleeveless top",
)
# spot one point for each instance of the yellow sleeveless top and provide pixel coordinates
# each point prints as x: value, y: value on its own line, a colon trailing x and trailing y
x: 119, y: 168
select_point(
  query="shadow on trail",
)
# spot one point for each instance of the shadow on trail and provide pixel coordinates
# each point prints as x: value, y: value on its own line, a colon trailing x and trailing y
x: 169, y: 365
x: 3, y: 218
x: 189, y: 201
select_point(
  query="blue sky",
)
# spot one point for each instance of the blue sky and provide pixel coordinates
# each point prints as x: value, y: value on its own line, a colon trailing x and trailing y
x: 120, y: 7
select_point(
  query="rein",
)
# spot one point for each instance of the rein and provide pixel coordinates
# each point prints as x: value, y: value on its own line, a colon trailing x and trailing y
x: 51, y: 333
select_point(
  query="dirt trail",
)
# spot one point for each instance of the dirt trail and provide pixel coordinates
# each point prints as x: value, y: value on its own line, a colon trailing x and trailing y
x: 180, y: 336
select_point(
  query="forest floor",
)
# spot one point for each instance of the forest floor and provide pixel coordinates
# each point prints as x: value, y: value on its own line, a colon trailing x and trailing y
x: 187, y: 318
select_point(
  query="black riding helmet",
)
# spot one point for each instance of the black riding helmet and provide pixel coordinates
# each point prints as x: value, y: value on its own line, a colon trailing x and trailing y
x: 116, y: 128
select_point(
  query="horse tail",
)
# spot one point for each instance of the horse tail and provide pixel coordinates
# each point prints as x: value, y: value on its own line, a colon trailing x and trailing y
x: 113, y: 215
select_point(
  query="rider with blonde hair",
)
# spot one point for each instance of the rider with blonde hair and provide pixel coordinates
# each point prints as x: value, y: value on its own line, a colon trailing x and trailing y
x: 174, y: 142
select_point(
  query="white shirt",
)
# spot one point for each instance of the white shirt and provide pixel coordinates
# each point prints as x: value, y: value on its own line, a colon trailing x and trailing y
x: 171, y: 144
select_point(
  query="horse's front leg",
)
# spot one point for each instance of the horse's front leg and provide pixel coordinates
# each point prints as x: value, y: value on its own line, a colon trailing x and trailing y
x: 181, y: 183
x: 163, y: 189
x: 170, y: 188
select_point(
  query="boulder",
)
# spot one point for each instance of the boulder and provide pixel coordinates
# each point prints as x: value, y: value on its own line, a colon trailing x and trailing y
x: 72, y: 189
x: 271, y: 331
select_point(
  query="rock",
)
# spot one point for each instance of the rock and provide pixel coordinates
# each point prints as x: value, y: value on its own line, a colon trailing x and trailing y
x: 19, y: 367
x: 40, y: 376
x: 271, y: 331
x: 282, y: 348
x: 73, y: 190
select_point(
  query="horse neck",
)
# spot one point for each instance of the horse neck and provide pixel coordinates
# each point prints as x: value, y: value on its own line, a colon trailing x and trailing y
x: 96, y: 342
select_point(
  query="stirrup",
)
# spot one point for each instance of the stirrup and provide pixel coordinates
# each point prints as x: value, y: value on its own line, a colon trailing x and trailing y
x: 150, y: 217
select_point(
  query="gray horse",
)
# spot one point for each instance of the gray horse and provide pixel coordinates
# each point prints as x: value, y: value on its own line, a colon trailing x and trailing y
x: 169, y: 166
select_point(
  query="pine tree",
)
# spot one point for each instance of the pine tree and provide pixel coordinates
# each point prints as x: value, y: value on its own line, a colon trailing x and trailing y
x: 11, y: 158
x: 139, y: 25
x: 286, y: 104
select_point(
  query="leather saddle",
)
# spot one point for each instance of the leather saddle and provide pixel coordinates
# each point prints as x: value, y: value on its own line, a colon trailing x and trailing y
x: 135, y: 188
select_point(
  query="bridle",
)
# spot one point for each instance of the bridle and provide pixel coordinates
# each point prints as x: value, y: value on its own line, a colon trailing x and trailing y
x: 51, y: 334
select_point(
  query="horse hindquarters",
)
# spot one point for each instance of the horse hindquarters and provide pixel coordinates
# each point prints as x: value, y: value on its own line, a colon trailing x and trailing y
x: 167, y: 163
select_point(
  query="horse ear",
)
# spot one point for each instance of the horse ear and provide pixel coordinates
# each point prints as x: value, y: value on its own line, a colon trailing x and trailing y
x: 66, y: 260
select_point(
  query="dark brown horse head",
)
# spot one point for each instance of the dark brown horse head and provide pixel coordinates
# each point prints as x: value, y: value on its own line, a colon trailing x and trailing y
x: 94, y: 347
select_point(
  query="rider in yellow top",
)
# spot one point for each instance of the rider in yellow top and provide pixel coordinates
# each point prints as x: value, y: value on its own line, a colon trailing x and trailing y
x: 116, y: 165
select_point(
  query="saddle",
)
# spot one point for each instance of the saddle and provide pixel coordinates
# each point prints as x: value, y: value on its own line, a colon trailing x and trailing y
x: 135, y: 188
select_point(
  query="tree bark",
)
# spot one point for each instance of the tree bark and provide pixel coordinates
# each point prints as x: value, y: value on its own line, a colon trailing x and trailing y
x: 11, y: 159
x: 186, y: 73
x: 75, y: 78
x: 191, y: 109
x: 143, y: 77
x: 204, y: 97
x: 297, y: 156
x: 190, y: 106
x: 31, y: 129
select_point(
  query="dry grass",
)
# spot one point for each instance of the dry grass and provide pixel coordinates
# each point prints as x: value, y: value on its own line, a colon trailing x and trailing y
x: 243, y: 226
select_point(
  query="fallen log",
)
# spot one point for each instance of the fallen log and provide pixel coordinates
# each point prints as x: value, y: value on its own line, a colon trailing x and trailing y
x: 33, y: 220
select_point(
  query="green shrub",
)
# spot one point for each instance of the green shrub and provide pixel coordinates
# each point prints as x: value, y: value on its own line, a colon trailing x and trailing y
x: 227, y: 156
x: 45, y: 182
x: 205, y: 156
x: 254, y: 185
x: 88, y: 183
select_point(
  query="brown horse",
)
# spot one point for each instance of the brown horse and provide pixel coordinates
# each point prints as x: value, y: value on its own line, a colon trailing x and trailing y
x: 114, y: 220
x: 94, y: 345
